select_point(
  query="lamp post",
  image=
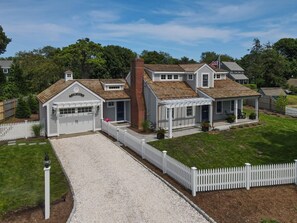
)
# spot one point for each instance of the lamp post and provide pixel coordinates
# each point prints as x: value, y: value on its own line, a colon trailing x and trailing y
x: 47, y: 167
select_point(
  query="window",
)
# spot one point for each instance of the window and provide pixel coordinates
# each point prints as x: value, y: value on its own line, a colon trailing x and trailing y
x: 64, y: 111
x: 232, y: 105
x: 110, y: 104
x: 84, y: 109
x: 169, y: 76
x: 218, y: 76
x: 190, y: 76
x: 219, y: 107
x: 5, y: 70
x: 163, y: 76
x: 167, y: 113
x: 68, y: 75
x: 189, y: 111
x: 205, y: 80
x: 175, y: 77
x: 114, y: 87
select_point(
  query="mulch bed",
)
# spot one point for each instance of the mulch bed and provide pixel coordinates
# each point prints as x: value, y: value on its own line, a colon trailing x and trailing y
x: 60, y: 211
x: 241, y: 205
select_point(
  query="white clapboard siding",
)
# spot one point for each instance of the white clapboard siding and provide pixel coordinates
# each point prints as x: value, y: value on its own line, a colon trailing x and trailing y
x: 274, y: 174
x: 221, y: 179
x: 179, y: 172
x: 152, y: 155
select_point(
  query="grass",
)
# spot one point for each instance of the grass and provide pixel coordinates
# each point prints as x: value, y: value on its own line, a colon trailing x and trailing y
x: 292, y: 99
x: 22, y: 176
x: 272, y: 142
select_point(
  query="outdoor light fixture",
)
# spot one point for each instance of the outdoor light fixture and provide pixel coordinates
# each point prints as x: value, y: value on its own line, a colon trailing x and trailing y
x: 46, y: 161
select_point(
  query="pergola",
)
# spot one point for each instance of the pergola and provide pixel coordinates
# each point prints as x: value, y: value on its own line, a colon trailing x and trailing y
x: 177, y: 103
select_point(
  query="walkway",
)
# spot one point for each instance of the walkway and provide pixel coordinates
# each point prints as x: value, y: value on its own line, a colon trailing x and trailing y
x: 110, y: 186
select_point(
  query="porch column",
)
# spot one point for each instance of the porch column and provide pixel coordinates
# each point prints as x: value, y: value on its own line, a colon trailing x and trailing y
x: 101, y: 110
x: 210, y: 114
x: 236, y: 109
x: 170, y: 123
x: 94, y: 120
x: 241, y: 105
x: 58, y: 121
x: 257, y: 108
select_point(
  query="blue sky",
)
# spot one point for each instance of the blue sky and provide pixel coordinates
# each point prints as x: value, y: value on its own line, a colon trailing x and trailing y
x: 179, y: 27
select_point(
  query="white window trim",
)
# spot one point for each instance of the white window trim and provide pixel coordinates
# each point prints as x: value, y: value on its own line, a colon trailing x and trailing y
x: 188, y: 77
x: 111, y: 106
x: 222, y: 103
x: 5, y: 70
x: 175, y: 78
x: 192, y: 112
x: 163, y: 75
x: 173, y: 113
x: 207, y: 80
x: 232, y: 110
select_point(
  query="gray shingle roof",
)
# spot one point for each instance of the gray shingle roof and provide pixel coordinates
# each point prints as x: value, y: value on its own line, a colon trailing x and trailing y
x: 239, y: 76
x: 5, y: 63
x: 272, y: 91
x: 232, y: 66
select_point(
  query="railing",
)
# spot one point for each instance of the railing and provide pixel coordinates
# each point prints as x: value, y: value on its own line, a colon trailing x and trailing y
x: 206, y: 179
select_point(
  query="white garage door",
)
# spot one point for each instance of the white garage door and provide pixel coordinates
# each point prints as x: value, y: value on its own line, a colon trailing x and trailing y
x: 76, y: 124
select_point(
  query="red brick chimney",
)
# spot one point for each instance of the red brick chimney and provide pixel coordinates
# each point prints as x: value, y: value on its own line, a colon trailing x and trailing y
x: 136, y: 93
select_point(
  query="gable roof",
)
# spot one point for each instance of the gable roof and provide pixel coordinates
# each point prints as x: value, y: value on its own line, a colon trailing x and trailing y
x: 5, y: 63
x: 228, y: 89
x: 239, y: 76
x: 164, y: 67
x: 272, y: 91
x: 165, y: 90
x: 232, y: 66
x: 192, y: 67
x: 292, y: 81
x: 92, y: 84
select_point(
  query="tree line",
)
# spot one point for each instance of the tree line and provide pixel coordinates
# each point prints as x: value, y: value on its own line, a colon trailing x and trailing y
x: 33, y: 71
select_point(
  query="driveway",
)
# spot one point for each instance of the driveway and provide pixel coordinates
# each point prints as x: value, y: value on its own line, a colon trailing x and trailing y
x: 110, y: 186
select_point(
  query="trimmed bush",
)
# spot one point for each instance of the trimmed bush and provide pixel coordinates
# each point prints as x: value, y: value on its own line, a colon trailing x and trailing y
x: 146, y: 125
x: 37, y: 129
x: 252, y: 116
x: 22, y: 109
x: 230, y: 119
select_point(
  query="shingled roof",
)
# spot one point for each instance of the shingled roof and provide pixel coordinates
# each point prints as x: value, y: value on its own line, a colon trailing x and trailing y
x: 228, y: 89
x: 166, y: 90
x: 292, y: 82
x: 92, y: 84
x: 164, y: 67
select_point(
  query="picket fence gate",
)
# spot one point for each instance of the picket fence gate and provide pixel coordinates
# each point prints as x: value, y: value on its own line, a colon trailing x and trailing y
x: 206, y: 179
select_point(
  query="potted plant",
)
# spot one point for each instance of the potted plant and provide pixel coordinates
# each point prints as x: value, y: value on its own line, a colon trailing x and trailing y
x: 205, y: 126
x: 230, y: 118
x: 161, y: 133
x: 252, y: 116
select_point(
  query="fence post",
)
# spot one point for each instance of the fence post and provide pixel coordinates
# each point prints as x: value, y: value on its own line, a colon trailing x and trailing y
x: 26, y: 129
x: 194, y: 180
x: 118, y: 133
x: 124, y: 137
x: 108, y: 128
x: 295, y: 171
x: 164, y: 162
x: 247, y: 175
x: 142, y: 148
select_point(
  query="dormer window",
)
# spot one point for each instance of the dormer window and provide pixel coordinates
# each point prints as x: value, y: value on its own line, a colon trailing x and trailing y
x: 190, y: 76
x: 163, y: 76
x: 169, y: 76
x: 114, y: 87
x: 175, y: 77
x: 5, y: 70
x: 205, y: 80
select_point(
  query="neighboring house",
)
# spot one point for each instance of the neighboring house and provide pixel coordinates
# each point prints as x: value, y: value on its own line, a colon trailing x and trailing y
x: 169, y: 96
x: 5, y: 66
x: 273, y: 92
x: 235, y: 72
x: 292, y: 82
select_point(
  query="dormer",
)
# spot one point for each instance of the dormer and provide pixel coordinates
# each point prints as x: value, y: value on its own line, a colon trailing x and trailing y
x: 68, y: 75
x: 113, y: 84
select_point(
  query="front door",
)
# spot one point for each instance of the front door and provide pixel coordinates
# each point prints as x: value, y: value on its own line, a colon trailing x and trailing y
x: 205, y: 113
x: 120, y: 111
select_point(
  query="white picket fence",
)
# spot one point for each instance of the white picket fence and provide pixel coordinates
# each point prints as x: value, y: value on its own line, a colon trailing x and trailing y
x: 206, y: 179
x: 14, y: 131
x: 291, y: 111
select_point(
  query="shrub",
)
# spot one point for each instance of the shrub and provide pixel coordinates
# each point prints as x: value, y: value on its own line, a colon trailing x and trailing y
x: 251, y: 86
x: 22, y: 109
x: 281, y: 103
x: 253, y: 116
x: 33, y: 104
x: 205, y: 126
x: 37, y: 129
x: 161, y: 133
x: 230, y: 118
x: 146, y: 125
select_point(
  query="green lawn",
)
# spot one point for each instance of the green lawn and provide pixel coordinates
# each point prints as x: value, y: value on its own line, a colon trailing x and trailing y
x: 275, y: 141
x: 22, y: 176
x: 292, y: 100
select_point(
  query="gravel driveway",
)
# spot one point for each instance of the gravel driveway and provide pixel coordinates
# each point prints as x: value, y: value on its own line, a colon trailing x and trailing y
x: 110, y: 186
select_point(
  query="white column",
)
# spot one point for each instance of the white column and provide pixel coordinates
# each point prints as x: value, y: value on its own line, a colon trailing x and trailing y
x: 236, y: 110
x: 101, y: 110
x: 164, y: 163
x: 248, y: 175
x: 142, y: 149
x: 210, y: 114
x: 58, y: 121
x: 257, y: 108
x: 94, y: 118
x: 170, y: 123
x: 194, y: 180
x: 47, y: 192
x: 241, y: 105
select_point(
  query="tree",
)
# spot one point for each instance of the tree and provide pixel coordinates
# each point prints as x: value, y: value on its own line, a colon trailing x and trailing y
x: 209, y: 56
x: 22, y: 109
x: 186, y: 60
x: 8, y: 90
x: 2, y: 77
x: 4, y: 41
x: 154, y: 57
x: 287, y: 47
x: 281, y: 103
x: 33, y: 104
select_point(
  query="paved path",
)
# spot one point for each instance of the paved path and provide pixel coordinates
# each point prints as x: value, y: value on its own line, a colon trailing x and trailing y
x: 110, y: 186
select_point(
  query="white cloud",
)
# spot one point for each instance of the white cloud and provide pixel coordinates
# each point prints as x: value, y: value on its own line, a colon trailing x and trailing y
x: 104, y: 16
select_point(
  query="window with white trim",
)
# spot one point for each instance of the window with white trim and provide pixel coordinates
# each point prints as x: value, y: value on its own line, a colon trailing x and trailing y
x: 163, y: 76
x: 64, y: 111
x: 167, y: 113
x: 114, y: 87
x: 175, y: 76
x: 169, y: 76
x: 189, y: 111
x: 205, y: 80
x: 5, y: 70
x: 110, y: 104
x: 218, y: 76
x: 232, y: 105
x: 84, y: 109
x: 219, y: 107
x: 190, y: 76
